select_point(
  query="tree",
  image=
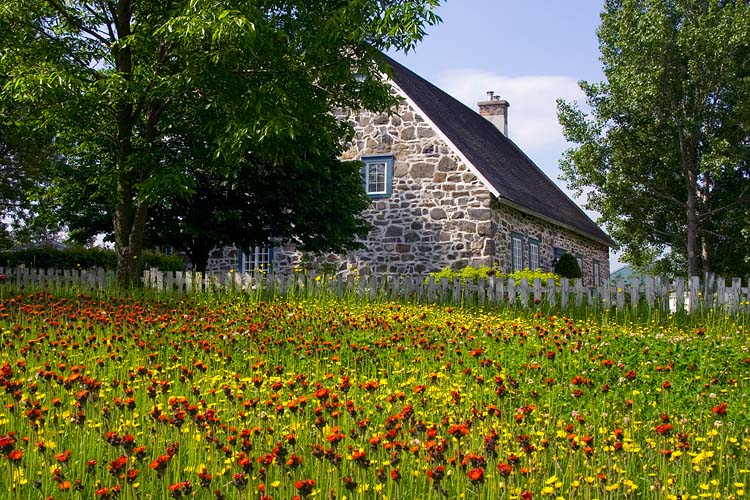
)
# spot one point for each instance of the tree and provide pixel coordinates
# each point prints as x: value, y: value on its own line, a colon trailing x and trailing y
x: 567, y: 266
x: 107, y: 75
x: 26, y: 161
x: 668, y: 129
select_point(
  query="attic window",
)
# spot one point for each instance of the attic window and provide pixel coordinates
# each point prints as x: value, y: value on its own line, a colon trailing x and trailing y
x: 377, y: 175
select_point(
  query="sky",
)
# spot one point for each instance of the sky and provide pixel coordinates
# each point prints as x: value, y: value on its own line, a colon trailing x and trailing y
x: 528, y: 53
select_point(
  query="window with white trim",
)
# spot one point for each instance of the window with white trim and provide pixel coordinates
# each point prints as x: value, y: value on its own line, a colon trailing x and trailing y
x: 259, y: 258
x: 377, y: 175
x: 580, y: 263
x: 534, y: 254
x: 517, y: 251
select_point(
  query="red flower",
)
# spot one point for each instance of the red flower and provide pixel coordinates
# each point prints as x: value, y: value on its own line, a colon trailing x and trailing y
x: 476, y: 475
x: 458, y: 431
x: 504, y: 469
x: 305, y: 486
x: 720, y: 409
x: 15, y: 455
x: 664, y: 429
x: 437, y: 474
x: 117, y: 465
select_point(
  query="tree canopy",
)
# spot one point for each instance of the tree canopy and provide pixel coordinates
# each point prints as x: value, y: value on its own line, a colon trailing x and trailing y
x: 112, y: 82
x: 663, y: 151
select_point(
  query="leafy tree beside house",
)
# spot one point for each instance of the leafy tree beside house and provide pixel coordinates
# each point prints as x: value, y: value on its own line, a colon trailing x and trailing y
x: 108, y: 78
x: 664, y: 146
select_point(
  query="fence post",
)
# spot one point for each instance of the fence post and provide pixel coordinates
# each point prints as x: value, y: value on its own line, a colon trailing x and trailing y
x: 551, y: 292
x: 511, y: 292
x: 578, y: 286
x: 736, y: 291
x: 679, y: 294
x: 564, y: 292
x: 620, y: 294
x: 695, y: 284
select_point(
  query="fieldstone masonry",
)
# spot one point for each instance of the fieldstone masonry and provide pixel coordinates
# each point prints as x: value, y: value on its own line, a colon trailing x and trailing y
x: 439, y: 214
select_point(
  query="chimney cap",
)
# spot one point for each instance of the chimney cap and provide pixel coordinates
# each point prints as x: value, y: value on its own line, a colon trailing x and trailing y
x: 490, y: 95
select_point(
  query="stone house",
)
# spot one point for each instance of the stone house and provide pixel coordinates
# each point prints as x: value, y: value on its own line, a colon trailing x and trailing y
x: 449, y: 188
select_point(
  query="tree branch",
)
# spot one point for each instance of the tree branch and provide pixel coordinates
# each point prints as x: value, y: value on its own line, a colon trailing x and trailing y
x: 63, y: 11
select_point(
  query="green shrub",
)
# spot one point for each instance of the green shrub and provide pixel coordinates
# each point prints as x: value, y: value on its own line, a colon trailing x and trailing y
x: 567, y: 266
x: 81, y: 258
x: 475, y: 273
x: 468, y: 272
x: 530, y: 276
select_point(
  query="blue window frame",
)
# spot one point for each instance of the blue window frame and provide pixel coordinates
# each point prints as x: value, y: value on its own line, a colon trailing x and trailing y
x: 516, y: 251
x: 534, y: 262
x: 377, y: 175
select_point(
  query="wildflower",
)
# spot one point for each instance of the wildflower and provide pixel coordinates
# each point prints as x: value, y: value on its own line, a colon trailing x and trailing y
x: 720, y: 409
x: 305, y: 486
x: 476, y: 475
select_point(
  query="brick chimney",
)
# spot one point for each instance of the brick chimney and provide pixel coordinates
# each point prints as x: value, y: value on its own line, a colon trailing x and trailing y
x: 496, y: 111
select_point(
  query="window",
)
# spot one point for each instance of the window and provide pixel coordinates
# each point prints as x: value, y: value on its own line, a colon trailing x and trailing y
x: 596, y: 273
x: 580, y: 263
x: 534, y: 254
x: 259, y: 258
x: 516, y: 251
x: 377, y: 175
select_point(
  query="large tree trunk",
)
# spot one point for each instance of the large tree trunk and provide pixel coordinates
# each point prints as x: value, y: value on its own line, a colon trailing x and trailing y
x: 705, y: 198
x: 130, y: 214
x: 692, y: 224
x: 690, y: 170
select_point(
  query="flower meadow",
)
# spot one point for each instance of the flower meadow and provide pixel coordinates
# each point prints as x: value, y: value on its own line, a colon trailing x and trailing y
x: 226, y: 397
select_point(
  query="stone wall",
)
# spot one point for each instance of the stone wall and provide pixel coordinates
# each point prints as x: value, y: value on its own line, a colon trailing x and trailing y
x: 507, y: 220
x: 223, y: 259
x: 438, y: 213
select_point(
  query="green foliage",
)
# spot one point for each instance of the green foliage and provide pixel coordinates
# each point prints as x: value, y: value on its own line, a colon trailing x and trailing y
x: 475, y: 273
x: 117, y: 83
x: 48, y: 257
x: 662, y: 155
x: 530, y: 276
x: 468, y: 272
x: 567, y: 266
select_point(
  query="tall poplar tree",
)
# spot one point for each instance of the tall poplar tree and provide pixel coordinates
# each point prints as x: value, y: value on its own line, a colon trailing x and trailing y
x: 668, y: 130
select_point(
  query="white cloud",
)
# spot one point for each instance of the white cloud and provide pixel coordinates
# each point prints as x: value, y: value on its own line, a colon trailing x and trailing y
x: 532, y: 117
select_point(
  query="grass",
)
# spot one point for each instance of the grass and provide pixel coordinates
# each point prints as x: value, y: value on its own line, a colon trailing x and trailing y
x: 241, y: 396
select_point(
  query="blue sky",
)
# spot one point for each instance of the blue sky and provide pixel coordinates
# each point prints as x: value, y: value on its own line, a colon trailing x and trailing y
x: 529, y: 53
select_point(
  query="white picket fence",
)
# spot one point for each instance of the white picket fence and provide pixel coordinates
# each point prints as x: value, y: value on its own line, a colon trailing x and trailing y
x: 710, y: 293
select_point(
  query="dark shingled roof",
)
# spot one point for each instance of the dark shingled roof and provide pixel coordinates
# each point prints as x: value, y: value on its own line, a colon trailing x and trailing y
x: 511, y: 173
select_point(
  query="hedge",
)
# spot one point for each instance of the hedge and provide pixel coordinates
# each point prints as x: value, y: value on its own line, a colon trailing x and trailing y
x: 82, y: 258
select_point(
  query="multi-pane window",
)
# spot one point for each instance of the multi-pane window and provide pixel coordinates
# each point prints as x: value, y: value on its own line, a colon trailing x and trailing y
x: 375, y: 178
x: 534, y: 255
x: 580, y: 263
x: 377, y: 175
x: 258, y: 258
x: 517, y: 251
